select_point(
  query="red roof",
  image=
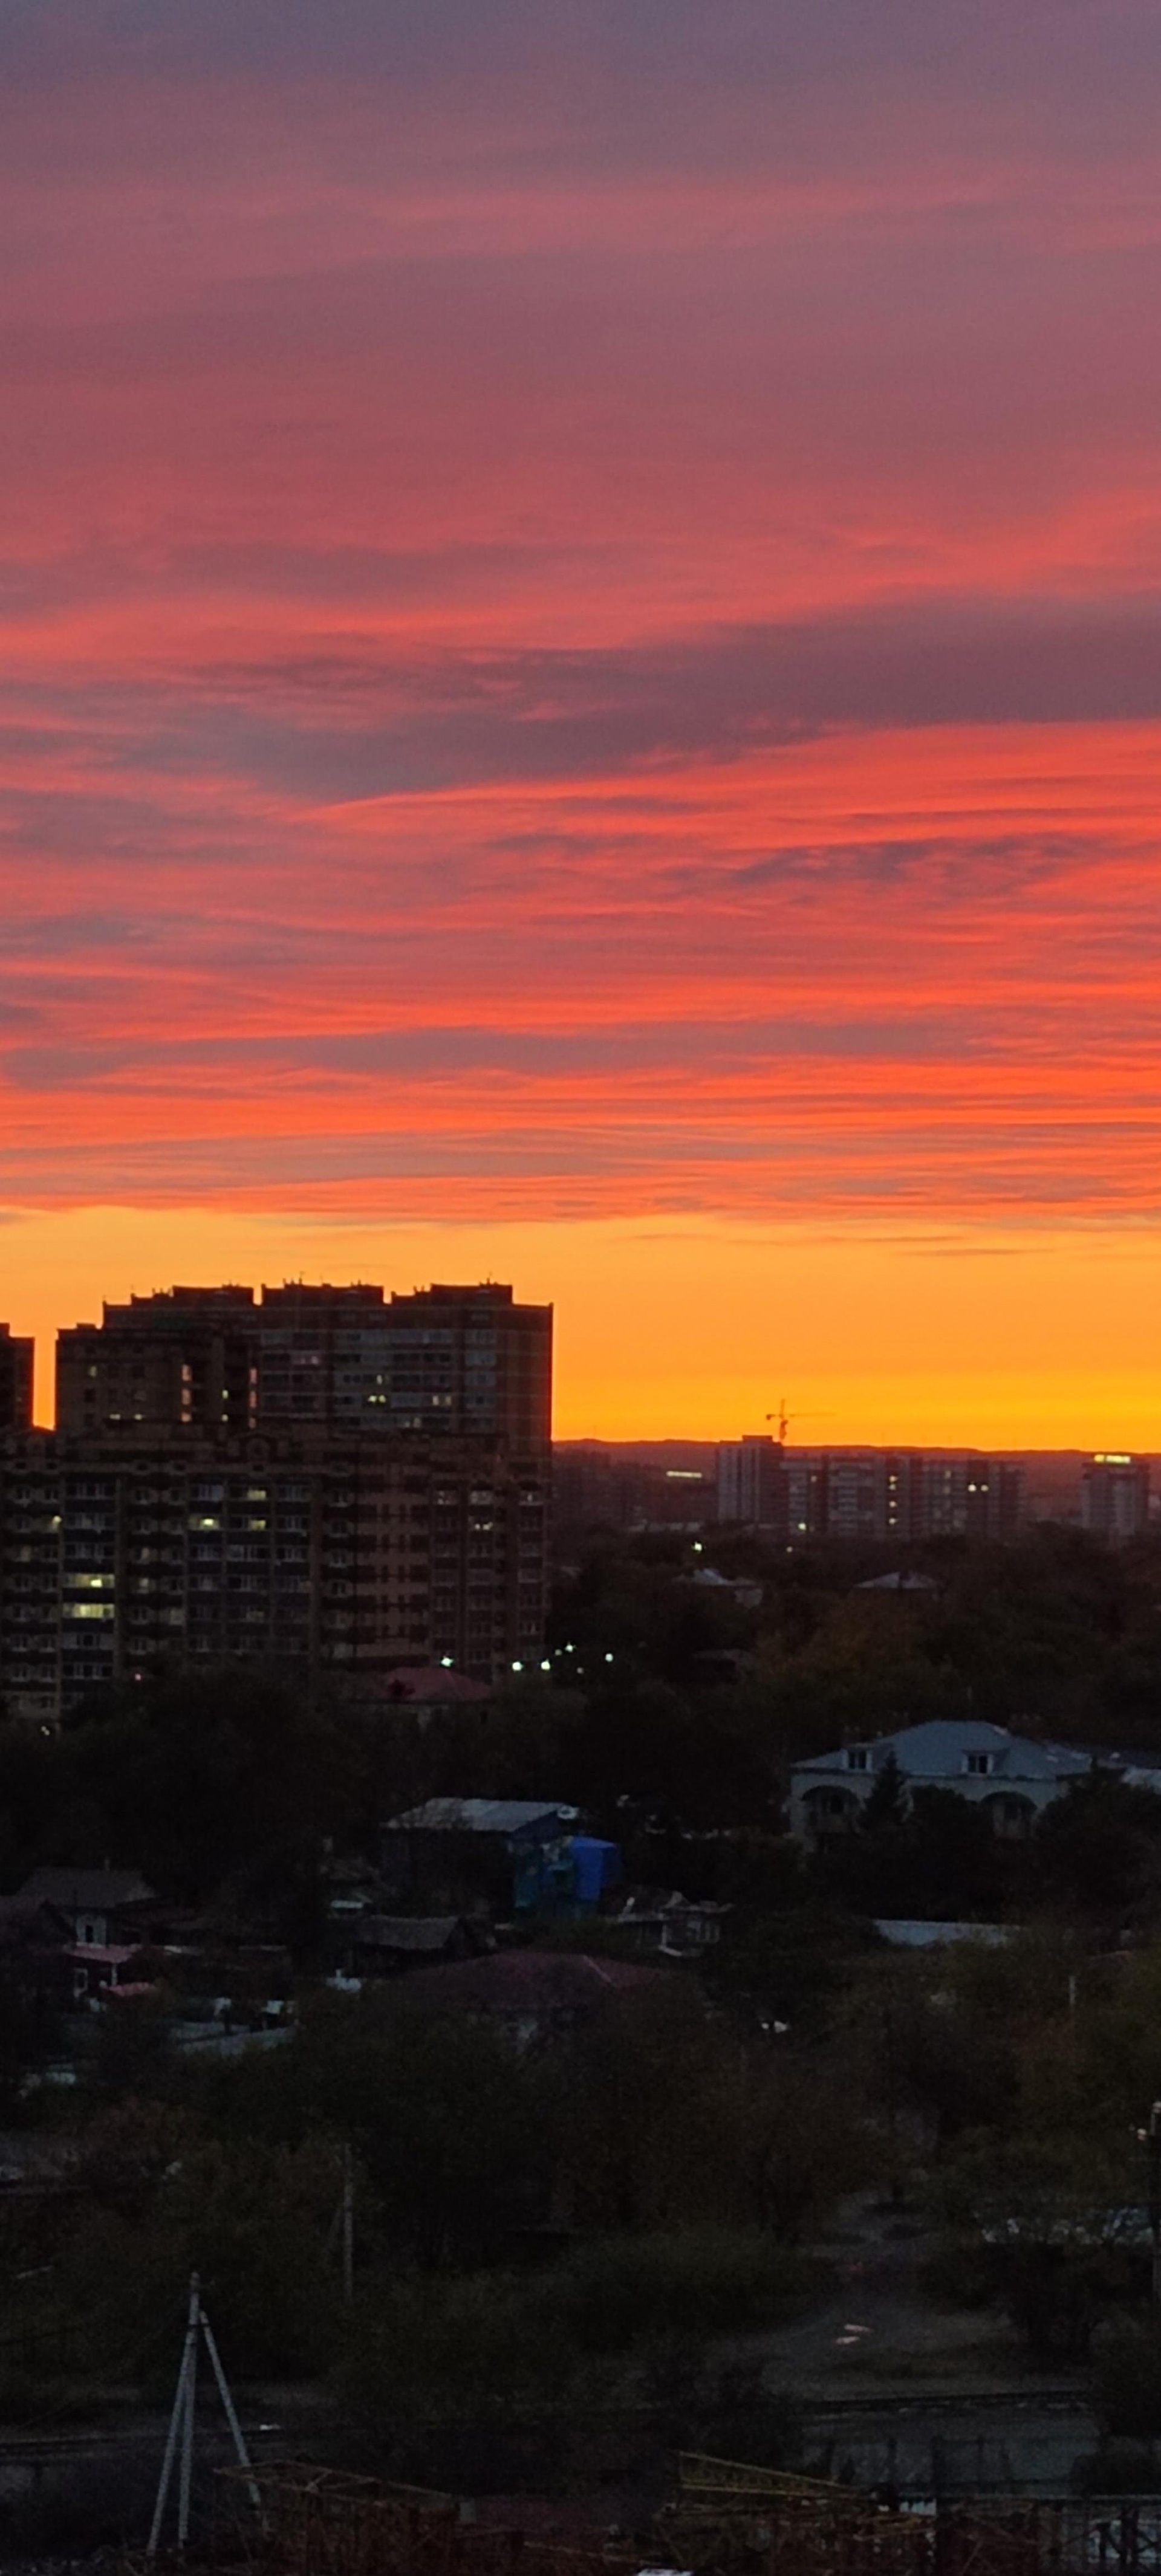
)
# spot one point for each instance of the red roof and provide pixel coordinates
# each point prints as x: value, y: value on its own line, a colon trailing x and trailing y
x: 520, y: 1982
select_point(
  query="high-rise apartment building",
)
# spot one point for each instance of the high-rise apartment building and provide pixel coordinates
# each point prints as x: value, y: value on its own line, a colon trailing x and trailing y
x: 449, y: 1361
x: 16, y: 1360
x: 1114, y: 1496
x: 183, y: 1360
x: 335, y: 1556
x: 750, y: 1486
x: 229, y: 1477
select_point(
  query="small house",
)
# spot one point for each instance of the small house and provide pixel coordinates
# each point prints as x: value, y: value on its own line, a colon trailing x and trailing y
x: 387, y: 1945
x: 101, y: 1906
x: 498, y: 1855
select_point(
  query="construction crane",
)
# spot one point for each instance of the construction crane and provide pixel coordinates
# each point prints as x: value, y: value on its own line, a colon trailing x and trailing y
x: 784, y: 1419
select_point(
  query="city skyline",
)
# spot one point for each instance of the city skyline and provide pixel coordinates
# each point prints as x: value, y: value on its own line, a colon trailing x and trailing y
x: 885, y: 1405
x: 42, y: 1379
x: 580, y: 620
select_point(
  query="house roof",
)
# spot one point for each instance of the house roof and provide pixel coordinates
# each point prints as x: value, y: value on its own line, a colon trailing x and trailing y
x: 936, y: 1751
x: 420, y: 1933
x: 99, y: 1891
x: 907, y: 1582
x: 524, y: 1983
x: 480, y: 1816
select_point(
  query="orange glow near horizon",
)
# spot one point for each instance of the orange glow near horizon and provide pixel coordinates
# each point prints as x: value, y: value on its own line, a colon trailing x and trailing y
x: 580, y: 688
x: 691, y: 1329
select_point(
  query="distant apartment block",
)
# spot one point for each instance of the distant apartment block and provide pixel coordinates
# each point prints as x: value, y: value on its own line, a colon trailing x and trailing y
x: 751, y: 1480
x: 868, y: 1495
x: 599, y: 1488
x: 16, y: 1362
x: 1114, y: 1496
x: 229, y: 1478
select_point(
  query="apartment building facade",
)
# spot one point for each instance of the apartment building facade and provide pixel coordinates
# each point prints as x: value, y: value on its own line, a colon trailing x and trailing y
x: 297, y: 1524
x: 751, y: 1480
x: 1114, y: 1496
x: 869, y: 1495
x: 16, y: 1361
x: 452, y: 1362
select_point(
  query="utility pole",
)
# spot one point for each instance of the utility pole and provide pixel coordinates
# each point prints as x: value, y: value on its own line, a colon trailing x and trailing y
x: 341, y: 2232
x: 348, y: 2224
x: 1153, y: 2141
x: 190, y: 2366
x: 180, y: 2437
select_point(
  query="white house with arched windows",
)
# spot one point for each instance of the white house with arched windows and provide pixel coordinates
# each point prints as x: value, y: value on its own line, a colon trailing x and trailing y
x: 1011, y: 1776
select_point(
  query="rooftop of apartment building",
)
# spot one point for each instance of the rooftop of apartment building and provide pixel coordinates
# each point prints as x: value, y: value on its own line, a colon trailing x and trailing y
x: 234, y: 1300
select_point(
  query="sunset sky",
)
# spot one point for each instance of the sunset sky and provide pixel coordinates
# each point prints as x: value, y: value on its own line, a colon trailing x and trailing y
x: 580, y: 619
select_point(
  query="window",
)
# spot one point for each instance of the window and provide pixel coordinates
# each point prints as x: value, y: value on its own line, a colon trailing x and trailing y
x: 977, y: 1765
x: 858, y: 1758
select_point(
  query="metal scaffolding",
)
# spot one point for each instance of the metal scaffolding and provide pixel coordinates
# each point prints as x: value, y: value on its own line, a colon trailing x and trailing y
x: 727, y: 2519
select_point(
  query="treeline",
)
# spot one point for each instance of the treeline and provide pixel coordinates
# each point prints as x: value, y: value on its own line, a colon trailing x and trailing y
x: 669, y: 1714
x: 227, y: 1788
x: 1057, y: 1630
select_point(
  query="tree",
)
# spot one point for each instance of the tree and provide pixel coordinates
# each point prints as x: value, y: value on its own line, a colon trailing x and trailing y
x: 453, y: 2127
x: 677, y: 2120
x: 1097, y: 1846
x: 134, y: 2053
x: 1127, y: 2377
x: 1052, y: 2226
x: 886, y: 1808
x: 199, y: 1777
x: 252, y: 2220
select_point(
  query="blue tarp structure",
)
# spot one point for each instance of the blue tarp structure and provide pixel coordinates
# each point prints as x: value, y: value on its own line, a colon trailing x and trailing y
x: 596, y: 1866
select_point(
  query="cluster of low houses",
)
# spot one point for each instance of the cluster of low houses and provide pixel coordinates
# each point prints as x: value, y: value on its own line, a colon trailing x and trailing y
x: 458, y: 1883
x: 77, y: 1941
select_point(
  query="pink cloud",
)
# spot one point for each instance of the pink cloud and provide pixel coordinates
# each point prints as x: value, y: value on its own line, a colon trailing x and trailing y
x: 581, y: 627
